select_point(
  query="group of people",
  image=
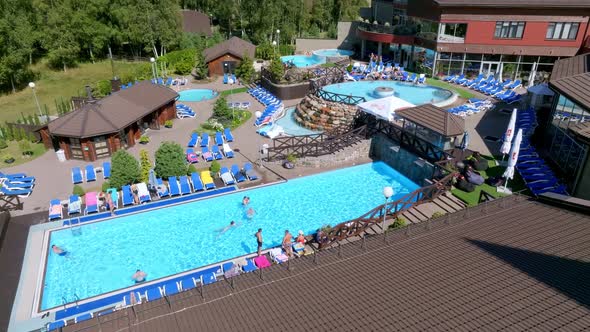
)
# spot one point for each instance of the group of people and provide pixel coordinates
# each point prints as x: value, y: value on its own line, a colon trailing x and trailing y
x: 287, y: 242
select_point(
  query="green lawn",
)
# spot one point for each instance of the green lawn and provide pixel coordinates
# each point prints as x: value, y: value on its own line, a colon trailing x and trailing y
x: 232, y: 91
x: 242, y: 115
x: 461, y: 92
x: 53, y: 85
x: 14, y: 151
x: 472, y: 198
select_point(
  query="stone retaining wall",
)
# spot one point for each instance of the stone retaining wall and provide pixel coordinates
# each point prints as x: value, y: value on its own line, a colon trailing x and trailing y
x: 356, y: 153
x: 318, y: 114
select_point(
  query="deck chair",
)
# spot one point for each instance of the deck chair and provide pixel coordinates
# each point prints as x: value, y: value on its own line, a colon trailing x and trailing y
x: 90, y: 173
x: 55, y: 209
x: 196, y: 182
x: 218, y: 138
x: 74, y: 205
x: 185, y: 187
x: 238, y: 176
x: 106, y: 170
x: 173, y: 186
x: 127, y: 195
x: 250, y: 173
x: 77, y: 175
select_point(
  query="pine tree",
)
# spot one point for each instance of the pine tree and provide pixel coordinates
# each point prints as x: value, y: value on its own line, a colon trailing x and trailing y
x: 245, y: 70
x: 16, y: 133
x: 145, y: 165
x: 201, y: 69
x: 170, y: 160
x: 9, y: 133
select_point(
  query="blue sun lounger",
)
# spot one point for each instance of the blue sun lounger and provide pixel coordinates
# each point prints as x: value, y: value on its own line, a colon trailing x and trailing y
x: 218, y: 138
x: 16, y: 192
x: 185, y: 187
x: 127, y: 195
x: 216, y: 153
x: 58, y: 324
x: 18, y: 185
x: 238, y: 176
x: 173, y: 186
x: 83, y: 317
x: 228, y: 135
x: 193, y: 141
x: 164, y: 192
x: 196, y: 181
x: 250, y: 266
x: 204, y: 140
x: 250, y: 173
x: 90, y: 173
x: 55, y: 209
x: 106, y: 170
x: 74, y: 205
x: 17, y: 177
x: 77, y: 175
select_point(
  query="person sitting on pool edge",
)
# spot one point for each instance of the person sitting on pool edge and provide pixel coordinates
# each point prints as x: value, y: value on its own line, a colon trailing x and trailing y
x: 58, y: 250
x: 139, y: 276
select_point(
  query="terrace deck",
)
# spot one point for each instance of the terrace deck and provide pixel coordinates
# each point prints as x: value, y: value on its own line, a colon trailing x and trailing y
x: 508, y: 264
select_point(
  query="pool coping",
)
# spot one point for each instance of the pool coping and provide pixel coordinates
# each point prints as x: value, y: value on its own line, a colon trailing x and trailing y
x: 26, y: 314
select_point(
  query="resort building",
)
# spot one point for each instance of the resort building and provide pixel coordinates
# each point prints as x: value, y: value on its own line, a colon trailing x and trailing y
x: 510, y: 39
x: 196, y: 22
x: 224, y: 57
x: 100, y: 127
x: 567, y: 137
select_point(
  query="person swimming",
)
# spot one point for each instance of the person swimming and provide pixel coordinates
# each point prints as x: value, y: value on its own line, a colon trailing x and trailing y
x: 245, y: 200
x: 250, y: 213
x: 58, y: 250
x: 227, y: 228
x: 139, y: 276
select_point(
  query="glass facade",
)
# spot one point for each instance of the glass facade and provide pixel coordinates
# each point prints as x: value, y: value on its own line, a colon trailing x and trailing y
x: 563, y: 149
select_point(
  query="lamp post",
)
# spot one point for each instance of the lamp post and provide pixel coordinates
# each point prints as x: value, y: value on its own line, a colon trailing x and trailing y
x: 279, y: 38
x: 387, y: 192
x: 153, y: 61
x: 230, y: 92
x: 274, y: 46
x: 32, y: 86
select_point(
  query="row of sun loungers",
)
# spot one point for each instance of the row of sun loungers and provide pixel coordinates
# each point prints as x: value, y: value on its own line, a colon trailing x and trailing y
x: 170, y: 81
x: 499, y: 89
x: 473, y: 106
x: 220, y: 138
x: 17, y: 184
x: 90, y: 173
x: 274, y: 105
x: 184, y: 111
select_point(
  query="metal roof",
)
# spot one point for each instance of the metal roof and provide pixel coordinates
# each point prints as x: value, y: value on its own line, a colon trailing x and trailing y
x: 571, y: 77
x: 114, y: 112
x: 234, y: 46
x: 435, y: 119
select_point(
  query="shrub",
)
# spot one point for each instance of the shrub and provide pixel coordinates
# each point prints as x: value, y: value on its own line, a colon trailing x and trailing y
x: 191, y: 169
x: 326, y: 229
x: 170, y: 160
x: 220, y: 108
x: 9, y: 133
x: 105, y: 185
x: 201, y: 69
x: 145, y: 164
x: 212, y: 124
x: 399, y: 222
x: 124, y: 169
x: 7, y: 156
x: 245, y: 71
x: 78, y: 190
x: 25, y: 147
x: 291, y: 158
x: 277, y: 69
x: 437, y: 214
x: 3, y: 144
x: 168, y: 123
x: 144, y: 139
x: 101, y: 88
x: 215, y: 167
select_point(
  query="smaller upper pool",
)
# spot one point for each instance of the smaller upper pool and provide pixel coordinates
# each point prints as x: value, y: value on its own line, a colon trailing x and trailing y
x: 302, y: 61
x: 197, y: 95
x: 333, y: 52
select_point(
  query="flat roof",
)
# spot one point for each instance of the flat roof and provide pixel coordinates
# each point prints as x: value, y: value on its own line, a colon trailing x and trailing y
x: 519, y: 265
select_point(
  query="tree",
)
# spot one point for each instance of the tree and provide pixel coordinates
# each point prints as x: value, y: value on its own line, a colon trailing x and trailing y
x: 124, y: 169
x: 201, y: 69
x: 277, y: 69
x: 170, y: 160
x: 220, y: 108
x: 245, y: 71
x: 145, y: 164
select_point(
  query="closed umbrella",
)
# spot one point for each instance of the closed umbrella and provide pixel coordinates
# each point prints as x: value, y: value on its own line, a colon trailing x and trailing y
x: 509, y: 172
x: 509, y: 134
x: 465, y: 141
x: 152, y: 178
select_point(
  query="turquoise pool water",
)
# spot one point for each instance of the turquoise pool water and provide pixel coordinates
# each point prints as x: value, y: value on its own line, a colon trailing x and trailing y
x: 291, y: 127
x: 415, y: 94
x: 196, y: 95
x: 302, y: 61
x: 174, y: 239
x: 333, y: 52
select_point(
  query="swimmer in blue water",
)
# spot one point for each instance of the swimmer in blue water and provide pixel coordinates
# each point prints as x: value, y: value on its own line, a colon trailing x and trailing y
x: 231, y: 225
x: 250, y: 213
x: 58, y: 250
x: 139, y: 276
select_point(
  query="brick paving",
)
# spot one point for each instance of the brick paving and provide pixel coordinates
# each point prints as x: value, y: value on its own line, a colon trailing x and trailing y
x: 511, y: 264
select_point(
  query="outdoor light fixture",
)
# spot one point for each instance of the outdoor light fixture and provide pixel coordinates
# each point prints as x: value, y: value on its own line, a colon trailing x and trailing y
x: 32, y: 86
x: 153, y: 61
x: 387, y: 192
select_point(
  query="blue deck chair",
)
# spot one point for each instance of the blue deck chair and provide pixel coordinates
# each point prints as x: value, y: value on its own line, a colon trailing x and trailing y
x: 227, y: 151
x: 204, y: 140
x: 225, y: 78
x: 74, y: 205
x: 164, y: 192
x: 194, y: 140
x: 216, y: 153
x: 77, y: 175
x: 206, y: 154
x: 17, y: 177
x: 233, y: 77
x: 208, y: 278
x: 16, y: 192
x: 250, y: 266
x: 238, y: 176
x: 90, y: 173
x: 250, y: 173
x: 83, y: 317
x: 196, y: 181
x: 106, y: 170
x: 173, y: 186
x: 411, y: 78
x: 169, y: 81
x: 18, y: 185
x: 226, y: 176
x: 55, y: 214
x: 58, y: 324
x: 218, y: 138
x: 152, y: 294
x: 185, y: 187
x: 228, y: 135
x: 127, y: 195
x: 160, y: 81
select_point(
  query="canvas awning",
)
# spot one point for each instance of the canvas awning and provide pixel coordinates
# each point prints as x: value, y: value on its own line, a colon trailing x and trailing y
x: 384, y: 108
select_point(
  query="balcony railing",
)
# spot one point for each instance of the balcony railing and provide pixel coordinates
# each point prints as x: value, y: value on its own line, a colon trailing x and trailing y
x: 400, y: 30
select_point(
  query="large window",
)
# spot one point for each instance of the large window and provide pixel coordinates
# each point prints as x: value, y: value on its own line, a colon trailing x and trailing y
x: 509, y: 30
x: 100, y: 146
x: 76, y: 148
x: 452, y: 32
x: 562, y: 30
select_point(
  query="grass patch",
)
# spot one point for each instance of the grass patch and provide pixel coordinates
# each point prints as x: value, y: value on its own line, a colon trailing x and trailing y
x: 441, y: 84
x: 472, y: 198
x: 13, y: 149
x: 53, y: 85
x: 241, y: 116
x: 226, y: 93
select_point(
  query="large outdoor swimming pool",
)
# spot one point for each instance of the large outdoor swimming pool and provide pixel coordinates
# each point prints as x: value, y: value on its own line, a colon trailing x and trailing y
x: 333, y: 52
x: 415, y: 94
x: 196, y: 95
x: 103, y: 255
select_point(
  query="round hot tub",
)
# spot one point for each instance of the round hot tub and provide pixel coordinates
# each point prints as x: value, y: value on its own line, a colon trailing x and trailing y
x: 383, y: 91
